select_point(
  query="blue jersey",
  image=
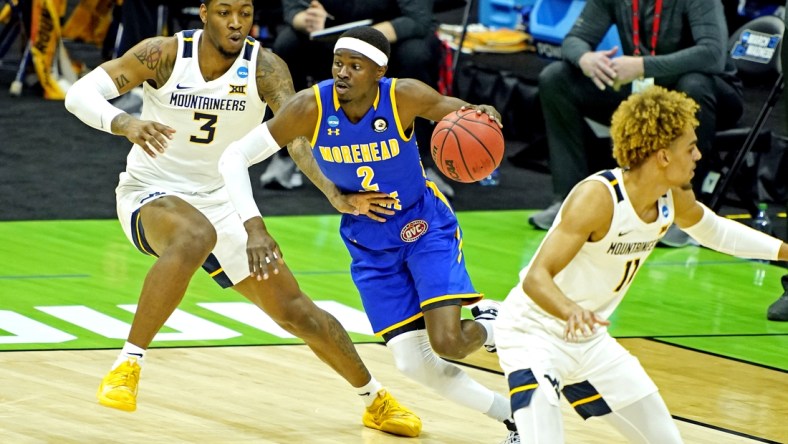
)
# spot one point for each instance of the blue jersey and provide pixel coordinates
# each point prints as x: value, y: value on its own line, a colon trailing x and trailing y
x: 374, y: 154
x: 414, y: 261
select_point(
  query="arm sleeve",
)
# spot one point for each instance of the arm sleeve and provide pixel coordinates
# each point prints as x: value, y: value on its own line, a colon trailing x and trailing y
x: 87, y: 99
x: 731, y: 237
x: 234, y: 164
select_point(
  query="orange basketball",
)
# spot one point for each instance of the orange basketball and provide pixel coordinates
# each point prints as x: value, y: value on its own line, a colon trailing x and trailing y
x: 467, y: 147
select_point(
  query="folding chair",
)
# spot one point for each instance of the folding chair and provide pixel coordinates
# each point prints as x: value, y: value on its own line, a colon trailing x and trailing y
x: 756, y: 54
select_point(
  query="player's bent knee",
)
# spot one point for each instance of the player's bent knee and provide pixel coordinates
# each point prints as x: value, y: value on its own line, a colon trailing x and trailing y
x: 448, y: 345
x: 299, y: 316
x: 415, y: 359
x: 411, y: 365
x: 198, y: 240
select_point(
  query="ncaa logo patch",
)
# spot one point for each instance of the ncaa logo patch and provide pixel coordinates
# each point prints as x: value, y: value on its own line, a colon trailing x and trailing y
x: 665, y: 211
x: 413, y: 230
x: 380, y: 125
x: 242, y: 72
x: 333, y: 121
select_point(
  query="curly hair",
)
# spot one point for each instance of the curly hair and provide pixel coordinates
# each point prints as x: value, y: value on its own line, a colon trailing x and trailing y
x: 649, y: 121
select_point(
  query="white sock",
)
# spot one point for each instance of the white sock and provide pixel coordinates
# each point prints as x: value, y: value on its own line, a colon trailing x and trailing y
x: 500, y: 409
x: 370, y: 391
x: 488, y: 326
x: 130, y: 351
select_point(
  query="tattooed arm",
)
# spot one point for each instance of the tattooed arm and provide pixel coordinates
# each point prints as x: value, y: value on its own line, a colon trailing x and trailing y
x: 276, y: 87
x: 295, y: 120
x: 151, y: 61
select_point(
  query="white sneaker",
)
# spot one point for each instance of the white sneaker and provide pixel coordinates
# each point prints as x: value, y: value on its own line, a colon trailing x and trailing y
x: 486, y: 311
x: 512, y: 438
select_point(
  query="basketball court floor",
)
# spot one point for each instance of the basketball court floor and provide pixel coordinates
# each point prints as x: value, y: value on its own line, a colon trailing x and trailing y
x: 222, y: 372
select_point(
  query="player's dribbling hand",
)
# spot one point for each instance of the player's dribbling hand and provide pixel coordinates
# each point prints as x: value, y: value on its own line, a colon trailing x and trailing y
x: 582, y: 323
x: 151, y: 136
x: 368, y: 203
x: 490, y: 110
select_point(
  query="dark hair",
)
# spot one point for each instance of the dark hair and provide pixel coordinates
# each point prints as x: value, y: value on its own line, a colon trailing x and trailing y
x: 370, y: 35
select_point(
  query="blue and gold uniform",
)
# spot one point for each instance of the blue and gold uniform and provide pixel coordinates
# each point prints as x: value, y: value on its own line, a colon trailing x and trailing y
x: 413, y: 261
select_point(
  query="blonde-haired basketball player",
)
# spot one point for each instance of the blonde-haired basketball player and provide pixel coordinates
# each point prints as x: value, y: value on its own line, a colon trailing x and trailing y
x: 551, y: 330
x: 203, y: 89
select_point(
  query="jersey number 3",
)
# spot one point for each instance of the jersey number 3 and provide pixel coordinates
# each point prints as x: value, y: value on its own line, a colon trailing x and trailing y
x: 209, y: 127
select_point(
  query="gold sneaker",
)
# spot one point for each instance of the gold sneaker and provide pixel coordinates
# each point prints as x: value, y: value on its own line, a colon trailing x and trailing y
x: 387, y: 415
x: 119, y: 388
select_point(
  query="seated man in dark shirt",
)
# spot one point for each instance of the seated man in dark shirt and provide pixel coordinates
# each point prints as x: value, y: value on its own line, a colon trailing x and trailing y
x: 778, y: 311
x: 684, y: 50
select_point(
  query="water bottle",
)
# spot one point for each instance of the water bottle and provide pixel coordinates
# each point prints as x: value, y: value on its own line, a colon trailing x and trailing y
x: 762, y: 223
x: 492, y: 180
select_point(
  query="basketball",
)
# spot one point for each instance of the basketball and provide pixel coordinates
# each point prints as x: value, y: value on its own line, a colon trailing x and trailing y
x: 467, y: 147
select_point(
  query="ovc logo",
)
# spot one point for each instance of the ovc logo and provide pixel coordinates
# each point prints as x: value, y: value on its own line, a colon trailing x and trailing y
x: 413, y: 230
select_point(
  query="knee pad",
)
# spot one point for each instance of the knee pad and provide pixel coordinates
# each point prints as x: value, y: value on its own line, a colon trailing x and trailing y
x: 414, y: 357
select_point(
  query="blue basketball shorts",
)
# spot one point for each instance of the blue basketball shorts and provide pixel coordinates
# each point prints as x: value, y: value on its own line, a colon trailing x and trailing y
x: 411, y: 263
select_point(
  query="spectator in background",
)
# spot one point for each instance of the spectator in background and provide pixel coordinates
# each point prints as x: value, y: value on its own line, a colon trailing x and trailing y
x: 407, y: 24
x: 778, y: 311
x: 685, y: 49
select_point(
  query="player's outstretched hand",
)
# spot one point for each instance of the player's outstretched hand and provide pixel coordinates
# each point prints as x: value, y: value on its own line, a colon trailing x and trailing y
x: 582, y: 323
x: 368, y: 203
x: 264, y: 255
x: 151, y: 136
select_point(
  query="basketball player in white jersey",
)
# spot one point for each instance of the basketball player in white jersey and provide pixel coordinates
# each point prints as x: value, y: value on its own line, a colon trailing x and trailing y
x: 202, y: 89
x: 551, y: 330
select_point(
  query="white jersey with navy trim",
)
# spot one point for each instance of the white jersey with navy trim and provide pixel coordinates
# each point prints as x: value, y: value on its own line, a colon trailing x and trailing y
x: 600, y: 274
x: 207, y: 117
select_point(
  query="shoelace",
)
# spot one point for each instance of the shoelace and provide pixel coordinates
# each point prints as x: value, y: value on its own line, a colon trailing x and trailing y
x: 123, y: 378
x: 387, y: 407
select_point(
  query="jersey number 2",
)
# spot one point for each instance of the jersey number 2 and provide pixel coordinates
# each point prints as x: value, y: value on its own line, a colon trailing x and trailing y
x: 209, y: 127
x: 366, y: 174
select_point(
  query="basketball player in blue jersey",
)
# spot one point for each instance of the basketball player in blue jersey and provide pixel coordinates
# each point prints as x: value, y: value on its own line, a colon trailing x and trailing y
x: 551, y: 330
x: 202, y: 89
x: 410, y: 270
